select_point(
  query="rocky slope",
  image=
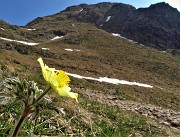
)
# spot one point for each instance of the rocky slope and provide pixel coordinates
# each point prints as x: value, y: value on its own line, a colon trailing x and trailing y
x: 165, y: 116
x: 157, y: 26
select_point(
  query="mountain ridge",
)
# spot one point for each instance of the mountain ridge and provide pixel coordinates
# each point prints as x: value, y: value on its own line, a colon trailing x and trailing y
x: 157, y: 26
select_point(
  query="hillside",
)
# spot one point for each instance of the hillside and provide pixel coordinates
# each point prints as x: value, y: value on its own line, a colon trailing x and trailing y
x: 104, y: 109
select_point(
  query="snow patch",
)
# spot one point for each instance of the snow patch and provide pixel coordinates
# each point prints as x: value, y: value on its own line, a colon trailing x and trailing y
x: 57, y: 37
x: 22, y: 42
x: 45, y: 48
x: 81, y: 10
x: 108, y: 18
x: 110, y: 80
x: 118, y: 35
x: 30, y: 29
x: 2, y: 28
x: 72, y: 49
x: 68, y: 49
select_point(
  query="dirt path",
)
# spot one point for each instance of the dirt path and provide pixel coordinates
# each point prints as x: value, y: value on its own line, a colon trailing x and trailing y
x: 165, y: 116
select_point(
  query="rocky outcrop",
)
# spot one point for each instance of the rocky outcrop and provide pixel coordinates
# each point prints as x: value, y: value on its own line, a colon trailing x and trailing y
x: 7, y: 47
x: 157, y: 26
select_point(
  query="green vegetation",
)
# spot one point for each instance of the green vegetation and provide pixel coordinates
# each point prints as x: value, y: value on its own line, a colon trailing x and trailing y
x: 91, y: 118
x: 158, y: 97
x: 100, y: 55
x: 115, y: 122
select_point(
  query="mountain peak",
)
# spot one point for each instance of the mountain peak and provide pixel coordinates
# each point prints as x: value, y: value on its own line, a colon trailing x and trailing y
x: 76, y: 7
x: 162, y: 5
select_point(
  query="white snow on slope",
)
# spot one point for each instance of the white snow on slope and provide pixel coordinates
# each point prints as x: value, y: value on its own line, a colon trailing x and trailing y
x: 1, y: 28
x: 68, y: 49
x: 118, y: 35
x: 57, y: 37
x: 72, y: 49
x: 23, y: 42
x: 81, y: 10
x: 31, y: 29
x: 28, y: 29
x: 45, y: 48
x: 110, y: 80
x: 108, y: 18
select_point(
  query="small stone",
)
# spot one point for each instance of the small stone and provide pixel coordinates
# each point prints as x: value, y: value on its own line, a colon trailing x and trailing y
x: 175, y: 123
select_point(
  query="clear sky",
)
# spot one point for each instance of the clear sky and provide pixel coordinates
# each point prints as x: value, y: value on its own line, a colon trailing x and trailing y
x: 20, y: 12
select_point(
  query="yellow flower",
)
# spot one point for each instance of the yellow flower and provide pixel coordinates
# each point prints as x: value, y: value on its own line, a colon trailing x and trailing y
x: 58, y: 80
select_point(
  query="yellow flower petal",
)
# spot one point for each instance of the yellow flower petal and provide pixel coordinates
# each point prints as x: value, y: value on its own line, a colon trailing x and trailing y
x: 64, y: 91
x: 59, y: 81
x: 48, y: 73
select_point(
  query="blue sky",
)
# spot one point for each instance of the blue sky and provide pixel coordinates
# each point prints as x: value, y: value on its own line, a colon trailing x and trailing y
x: 20, y: 12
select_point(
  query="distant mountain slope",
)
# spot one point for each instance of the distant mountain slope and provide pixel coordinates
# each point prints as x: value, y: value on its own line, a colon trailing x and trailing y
x: 83, y: 13
x: 14, y: 32
x: 157, y: 26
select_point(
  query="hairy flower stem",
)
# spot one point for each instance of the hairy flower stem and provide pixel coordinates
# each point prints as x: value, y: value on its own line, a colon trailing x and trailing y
x: 25, y: 113
x: 42, y: 95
